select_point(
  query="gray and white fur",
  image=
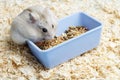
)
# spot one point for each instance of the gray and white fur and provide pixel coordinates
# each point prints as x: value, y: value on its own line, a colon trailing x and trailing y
x: 35, y: 23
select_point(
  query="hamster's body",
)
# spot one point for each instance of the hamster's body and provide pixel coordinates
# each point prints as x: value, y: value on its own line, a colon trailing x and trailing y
x: 34, y: 23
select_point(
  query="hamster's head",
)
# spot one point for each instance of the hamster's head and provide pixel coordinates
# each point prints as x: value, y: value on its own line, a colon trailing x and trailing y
x: 45, y: 22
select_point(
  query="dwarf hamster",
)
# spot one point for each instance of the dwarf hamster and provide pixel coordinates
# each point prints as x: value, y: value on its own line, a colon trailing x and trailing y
x: 35, y: 23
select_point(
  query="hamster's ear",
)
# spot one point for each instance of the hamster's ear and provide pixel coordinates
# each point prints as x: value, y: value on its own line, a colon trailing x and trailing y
x: 32, y: 19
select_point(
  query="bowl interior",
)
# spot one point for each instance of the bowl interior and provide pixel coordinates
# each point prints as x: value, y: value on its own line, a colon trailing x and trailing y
x: 79, y: 19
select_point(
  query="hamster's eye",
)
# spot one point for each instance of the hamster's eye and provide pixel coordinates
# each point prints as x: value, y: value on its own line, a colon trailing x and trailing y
x: 44, y: 29
x: 52, y: 26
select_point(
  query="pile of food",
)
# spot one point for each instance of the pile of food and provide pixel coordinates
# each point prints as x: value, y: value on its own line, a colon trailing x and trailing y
x: 68, y: 34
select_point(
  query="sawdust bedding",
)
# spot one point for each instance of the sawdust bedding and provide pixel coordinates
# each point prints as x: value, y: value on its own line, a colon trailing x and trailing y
x: 101, y: 63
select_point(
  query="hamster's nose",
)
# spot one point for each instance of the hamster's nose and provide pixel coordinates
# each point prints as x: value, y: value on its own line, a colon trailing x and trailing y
x: 43, y: 39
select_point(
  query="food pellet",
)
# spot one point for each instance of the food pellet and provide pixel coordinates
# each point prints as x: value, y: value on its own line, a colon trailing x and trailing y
x: 68, y: 34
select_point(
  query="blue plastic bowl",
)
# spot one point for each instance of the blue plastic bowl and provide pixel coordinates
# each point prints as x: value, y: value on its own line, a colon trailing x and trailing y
x: 72, y: 47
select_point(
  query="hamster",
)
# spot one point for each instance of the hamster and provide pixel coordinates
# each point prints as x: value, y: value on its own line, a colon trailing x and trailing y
x: 35, y: 23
